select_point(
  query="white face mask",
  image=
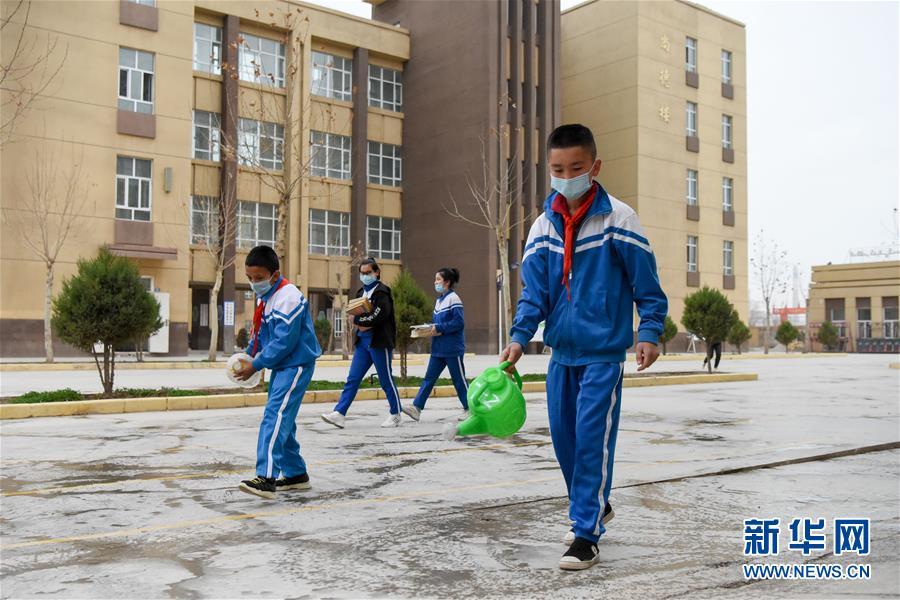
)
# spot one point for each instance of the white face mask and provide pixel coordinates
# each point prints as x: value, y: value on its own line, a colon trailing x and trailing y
x: 574, y: 188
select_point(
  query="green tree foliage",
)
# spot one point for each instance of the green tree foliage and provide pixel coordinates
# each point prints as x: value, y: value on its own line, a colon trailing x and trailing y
x: 669, y: 331
x: 739, y: 334
x: 411, y: 307
x: 709, y: 315
x: 786, y: 334
x: 828, y: 335
x: 104, y: 305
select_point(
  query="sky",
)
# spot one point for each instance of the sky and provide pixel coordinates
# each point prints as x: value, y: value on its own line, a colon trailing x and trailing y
x: 822, y: 105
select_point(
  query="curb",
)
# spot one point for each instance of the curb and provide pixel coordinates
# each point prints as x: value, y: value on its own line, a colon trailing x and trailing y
x: 159, y: 366
x: 130, y: 405
x: 755, y: 356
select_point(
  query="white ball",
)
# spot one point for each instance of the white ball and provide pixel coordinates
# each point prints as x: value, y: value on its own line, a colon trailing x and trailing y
x: 234, y: 364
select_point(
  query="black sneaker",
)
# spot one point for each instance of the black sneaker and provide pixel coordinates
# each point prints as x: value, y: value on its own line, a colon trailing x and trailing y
x: 300, y: 482
x: 259, y: 486
x: 582, y: 554
x: 608, y: 515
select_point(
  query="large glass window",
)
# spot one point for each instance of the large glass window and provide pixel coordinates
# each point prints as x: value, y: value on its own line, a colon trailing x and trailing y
x: 891, y: 316
x: 692, y: 253
x: 726, y: 66
x: 330, y: 155
x: 690, y: 54
x: 207, y: 48
x: 204, y: 219
x: 385, y: 88
x: 135, y: 81
x: 206, y: 135
x: 727, y: 194
x: 691, y: 119
x: 383, y: 235
x: 331, y: 76
x: 261, y: 60
x: 261, y: 144
x: 727, y: 257
x: 384, y: 164
x: 133, y: 188
x: 691, y: 187
x: 257, y: 223
x: 863, y: 318
x: 726, y: 131
x: 329, y: 232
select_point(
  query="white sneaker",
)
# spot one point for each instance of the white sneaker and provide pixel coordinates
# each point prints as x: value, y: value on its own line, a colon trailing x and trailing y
x: 608, y: 515
x: 334, y: 418
x: 392, y: 421
x: 462, y: 416
x: 412, y: 411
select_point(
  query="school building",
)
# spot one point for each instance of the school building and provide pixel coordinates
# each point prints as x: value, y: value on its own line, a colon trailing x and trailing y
x: 663, y: 86
x: 861, y: 301
x: 280, y: 122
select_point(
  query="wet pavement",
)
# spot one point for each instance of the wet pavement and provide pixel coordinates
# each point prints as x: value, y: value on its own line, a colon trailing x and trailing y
x: 145, y: 505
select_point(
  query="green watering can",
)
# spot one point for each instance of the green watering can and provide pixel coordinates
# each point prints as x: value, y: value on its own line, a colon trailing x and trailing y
x: 496, y: 405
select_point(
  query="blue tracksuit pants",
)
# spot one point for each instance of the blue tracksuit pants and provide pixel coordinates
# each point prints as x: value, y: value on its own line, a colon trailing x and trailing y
x: 436, y: 365
x: 584, y: 404
x: 363, y: 358
x: 277, y: 449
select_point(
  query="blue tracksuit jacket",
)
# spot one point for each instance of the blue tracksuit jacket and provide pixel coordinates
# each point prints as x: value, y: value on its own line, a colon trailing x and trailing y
x: 612, y: 270
x: 450, y: 322
x: 286, y: 337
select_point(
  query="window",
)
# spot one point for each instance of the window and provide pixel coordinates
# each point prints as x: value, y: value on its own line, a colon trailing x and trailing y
x: 338, y: 319
x: 726, y: 131
x: 727, y: 194
x: 261, y: 144
x: 385, y: 88
x: 727, y: 257
x: 726, y: 66
x: 135, y: 81
x: 144, y: 2
x: 692, y: 254
x: 331, y: 76
x: 691, y: 187
x: 691, y: 119
x: 261, y: 60
x: 863, y: 318
x: 330, y: 155
x: 383, y: 236
x: 384, y: 164
x: 690, y: 55
x: 207, y: 48
x: 204, y: 219
x: 256, y: 224
x: 206, y: 135
x: 834, y: 312
x: 329, y: 232
x: 891, y: 314
x: 133, y: 188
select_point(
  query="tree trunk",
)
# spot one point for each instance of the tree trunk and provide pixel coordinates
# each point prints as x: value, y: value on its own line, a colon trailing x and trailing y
x: 214, y: 317
x: 664, y: 348
x: 766, y: 342
x: 403, y: 352
x: 507, y: 311
x: 48, y: 313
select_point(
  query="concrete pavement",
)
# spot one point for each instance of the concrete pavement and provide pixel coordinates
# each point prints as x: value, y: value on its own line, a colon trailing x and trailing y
x: 145, y: 505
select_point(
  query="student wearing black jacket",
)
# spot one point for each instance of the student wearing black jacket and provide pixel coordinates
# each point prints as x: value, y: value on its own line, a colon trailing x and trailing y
x: 376, y: 333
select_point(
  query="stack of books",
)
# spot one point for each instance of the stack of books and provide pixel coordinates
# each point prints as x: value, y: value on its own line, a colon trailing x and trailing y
x: 423, y: 331
x: 359, y: 306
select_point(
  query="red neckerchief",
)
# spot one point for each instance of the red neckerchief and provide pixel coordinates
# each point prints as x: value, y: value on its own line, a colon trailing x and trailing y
x: 571, y: 223
x: 258, y: 315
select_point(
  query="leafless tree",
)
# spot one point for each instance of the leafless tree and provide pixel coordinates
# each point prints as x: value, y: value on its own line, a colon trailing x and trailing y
x: 344, y: 276
x: 493, y: 193
x: 47, y: 214
x: 770, y: 267
x: 27, y: 68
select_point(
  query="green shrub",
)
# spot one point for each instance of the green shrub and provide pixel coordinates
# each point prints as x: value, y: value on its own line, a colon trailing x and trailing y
x: 66, y: 395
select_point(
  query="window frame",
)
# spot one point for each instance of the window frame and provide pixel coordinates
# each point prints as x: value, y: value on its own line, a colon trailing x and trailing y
x: 728, y: 257
x: 324, y: 73
x: 248, y: 242
x: 396, y: 237
x: 323, y: 148
x: 251, y: 154
x: 343, y: 232
x: 377, y: 149
x: 691, y: 117
x: 690, y: 54
x: 123, y: 206
x: 727, y: 131
x: 727, y: 64
x: 695, y: 180
x: 250, y: 59
x: 379, y: 81
x: 212, y: 63
x: 693, y: 243
x: 210, y: 212
x: 213, y: 135
x: 127, y: 102
x: 728, y: 194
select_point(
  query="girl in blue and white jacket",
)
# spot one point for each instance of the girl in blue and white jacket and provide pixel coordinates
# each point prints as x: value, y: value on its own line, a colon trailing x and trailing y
x: 447, y: 346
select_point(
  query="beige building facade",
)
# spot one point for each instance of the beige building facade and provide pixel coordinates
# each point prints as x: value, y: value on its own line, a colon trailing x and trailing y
x: 861, y: 301
x: 663, y: 87
x: 283, y: 119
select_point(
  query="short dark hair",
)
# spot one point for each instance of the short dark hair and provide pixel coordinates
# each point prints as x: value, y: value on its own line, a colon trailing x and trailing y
x: 449, y: 274
x: 371, y: 262
x: 569, y: 136
x: 263, y: 256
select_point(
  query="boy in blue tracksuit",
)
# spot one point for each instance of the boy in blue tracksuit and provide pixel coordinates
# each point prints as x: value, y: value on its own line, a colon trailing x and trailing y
x: 586, y: 264
x: 284, y: 341
x: 447, y: 346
